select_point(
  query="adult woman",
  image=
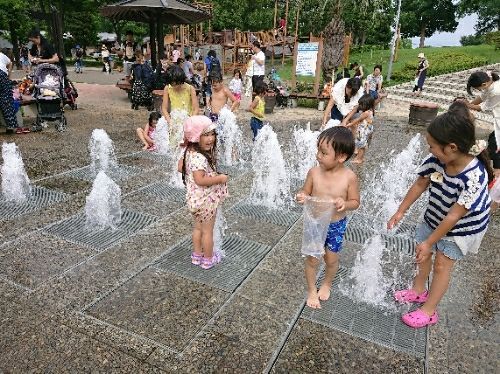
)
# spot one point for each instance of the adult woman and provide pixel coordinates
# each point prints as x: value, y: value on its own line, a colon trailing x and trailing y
x: 6, y: 100
x: 423, y: 65
x: 42, y: 51
x: 343, y: 99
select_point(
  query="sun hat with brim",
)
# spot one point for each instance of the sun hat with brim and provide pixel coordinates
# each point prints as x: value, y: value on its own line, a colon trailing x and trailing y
x: 195, y: 126
x: 421, y: 55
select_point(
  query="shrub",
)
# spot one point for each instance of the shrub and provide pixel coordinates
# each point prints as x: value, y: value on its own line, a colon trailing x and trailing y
x: 440, y: 64
x: 406, y: 43
x: 493, y: 38
x: 472, y: 40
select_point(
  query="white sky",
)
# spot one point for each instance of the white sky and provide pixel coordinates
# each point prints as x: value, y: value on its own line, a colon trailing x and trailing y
x: 465, y: 27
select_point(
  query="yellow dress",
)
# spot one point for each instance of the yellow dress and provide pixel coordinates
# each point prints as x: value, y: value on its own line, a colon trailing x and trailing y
x: 180, y: 109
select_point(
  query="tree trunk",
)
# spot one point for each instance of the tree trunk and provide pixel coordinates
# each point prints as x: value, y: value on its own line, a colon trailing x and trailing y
x: 15, y: 42
x: 333, y: 46
x: 422, y: 37
x: 363, y: 37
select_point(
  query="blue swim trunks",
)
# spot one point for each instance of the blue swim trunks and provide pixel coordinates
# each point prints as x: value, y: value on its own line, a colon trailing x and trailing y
x: 335, y: 235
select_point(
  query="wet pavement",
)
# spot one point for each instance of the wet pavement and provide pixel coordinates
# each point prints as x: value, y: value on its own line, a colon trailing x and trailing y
x: 129, y: 303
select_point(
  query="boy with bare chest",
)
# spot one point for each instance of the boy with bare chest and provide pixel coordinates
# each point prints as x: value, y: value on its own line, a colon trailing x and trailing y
x: 220, y: 95
x: 330, y: 180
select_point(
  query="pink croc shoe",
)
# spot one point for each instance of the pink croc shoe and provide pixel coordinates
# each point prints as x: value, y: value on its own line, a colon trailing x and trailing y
x: 410, y: 296
x: 418, y: 319
x: 208, y: 263
x: 196, y: 258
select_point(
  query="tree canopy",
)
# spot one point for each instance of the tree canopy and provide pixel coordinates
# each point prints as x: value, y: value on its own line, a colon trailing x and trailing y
x: 424, y: 17
x: 488, y: 12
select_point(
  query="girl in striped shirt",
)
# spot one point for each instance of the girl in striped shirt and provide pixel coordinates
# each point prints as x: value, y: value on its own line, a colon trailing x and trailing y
x: 456, y: 173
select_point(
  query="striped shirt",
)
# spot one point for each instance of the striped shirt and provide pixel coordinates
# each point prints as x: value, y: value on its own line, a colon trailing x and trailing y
x: 469, y: 189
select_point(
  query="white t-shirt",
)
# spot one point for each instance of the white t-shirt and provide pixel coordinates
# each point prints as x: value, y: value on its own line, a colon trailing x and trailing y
x: 175, y: 55
x: 338, y: 93
x: 259, y: 69
x: 4, y: 61
x: 186, y: 67
x: 491, y: 101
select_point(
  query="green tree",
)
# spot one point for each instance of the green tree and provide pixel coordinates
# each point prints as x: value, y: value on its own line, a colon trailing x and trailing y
x: 424, y: 17
x: 15, y: 18
x: 488, y: 12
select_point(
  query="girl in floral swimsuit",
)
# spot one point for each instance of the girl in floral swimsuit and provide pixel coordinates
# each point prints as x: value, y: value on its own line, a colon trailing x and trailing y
x: 205, y: 188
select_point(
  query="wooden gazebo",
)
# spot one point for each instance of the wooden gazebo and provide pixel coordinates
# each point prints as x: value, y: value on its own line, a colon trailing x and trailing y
x: 156, y: 13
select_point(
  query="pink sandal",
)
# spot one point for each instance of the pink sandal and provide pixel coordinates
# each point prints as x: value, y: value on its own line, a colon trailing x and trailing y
x: 208, y: 263
x: 418, y: 319
x: 410, y: 296
x: 196, y: 258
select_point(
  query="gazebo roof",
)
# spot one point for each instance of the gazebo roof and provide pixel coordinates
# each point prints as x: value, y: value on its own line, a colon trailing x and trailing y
x: 173, y: 12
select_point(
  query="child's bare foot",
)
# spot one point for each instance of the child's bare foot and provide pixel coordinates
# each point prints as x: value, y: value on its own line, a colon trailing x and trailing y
x: 313, y: 300
x: 324, y: 292
x: 357, y: 161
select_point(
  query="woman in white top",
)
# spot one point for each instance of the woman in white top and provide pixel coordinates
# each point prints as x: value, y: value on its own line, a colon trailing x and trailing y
x: 488, y: 84
x: 343, y: 99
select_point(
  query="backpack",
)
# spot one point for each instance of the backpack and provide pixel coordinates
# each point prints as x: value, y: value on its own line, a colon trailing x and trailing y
x: 146, y: 75
x: 215, y: 68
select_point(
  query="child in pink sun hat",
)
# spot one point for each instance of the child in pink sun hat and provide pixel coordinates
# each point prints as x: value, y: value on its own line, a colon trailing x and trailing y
x: 206, y: 189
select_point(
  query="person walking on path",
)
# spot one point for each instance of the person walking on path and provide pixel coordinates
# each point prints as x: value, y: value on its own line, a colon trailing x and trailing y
x: 423, y: 65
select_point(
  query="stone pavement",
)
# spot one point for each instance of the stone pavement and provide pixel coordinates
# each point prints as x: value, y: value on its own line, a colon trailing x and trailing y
x: 129, y: 301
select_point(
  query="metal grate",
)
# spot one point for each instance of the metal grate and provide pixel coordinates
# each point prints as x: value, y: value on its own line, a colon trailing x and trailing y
x: 359, y: 235
x: 367, y: 322
x: 154, y: 156
x: 165, y: 192
x: 242, y: 255
x: 118, y: 173
x: 281, y: 218
x: 40, y: 198
x: 74, y: 230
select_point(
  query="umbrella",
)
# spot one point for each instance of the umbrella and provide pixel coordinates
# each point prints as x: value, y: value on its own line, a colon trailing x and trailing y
x: 156, y: 13
x: 172, y: 12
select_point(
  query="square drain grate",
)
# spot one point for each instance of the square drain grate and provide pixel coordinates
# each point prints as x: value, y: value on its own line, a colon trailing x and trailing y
x: 367, y: 322
x: 165, y: 192
x: 40, y: 198
x: 118, y: 173
x: 242, y: 256
x: 154, y: 156
x: 360, y: 235
x: 277, y: 217
x: 74, y: 230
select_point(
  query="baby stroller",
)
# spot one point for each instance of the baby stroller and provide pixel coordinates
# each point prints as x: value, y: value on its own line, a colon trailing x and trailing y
x: 49, y: 95
x: 70, y: 94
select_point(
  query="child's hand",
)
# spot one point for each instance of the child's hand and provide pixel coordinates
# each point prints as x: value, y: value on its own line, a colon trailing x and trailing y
x: 394, y: 220
x: 222, y: 178
x: 339, y: 204
x: 423, y: 252
x: 300, y: 197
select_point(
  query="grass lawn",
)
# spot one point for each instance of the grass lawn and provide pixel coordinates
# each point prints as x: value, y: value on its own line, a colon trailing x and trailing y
x: 377, y: 56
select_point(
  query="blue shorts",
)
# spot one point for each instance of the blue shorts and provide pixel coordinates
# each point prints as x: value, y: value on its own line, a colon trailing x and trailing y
x: 335, y: 235
x: 374, y: 94
x: 447, y: 247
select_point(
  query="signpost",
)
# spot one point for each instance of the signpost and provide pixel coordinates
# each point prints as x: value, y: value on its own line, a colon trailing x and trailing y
x: 307, y: 62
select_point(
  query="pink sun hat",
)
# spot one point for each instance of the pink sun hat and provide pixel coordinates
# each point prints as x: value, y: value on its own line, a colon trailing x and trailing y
x: 195, y: 126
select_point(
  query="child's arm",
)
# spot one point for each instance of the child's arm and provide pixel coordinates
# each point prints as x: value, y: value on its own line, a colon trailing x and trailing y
x: 201, y: 178
x: 362, y: 117
x: 412, y: 195
x: 346, y: 119
x: 253, y: 105
x: 306, y: 190
x: 195, y: 108
x: 180, y: 164
x: 456, y: 212
x: 164, y: 105
x: 235, y: 103
x: 146, y: 136
x: 353, y: 199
